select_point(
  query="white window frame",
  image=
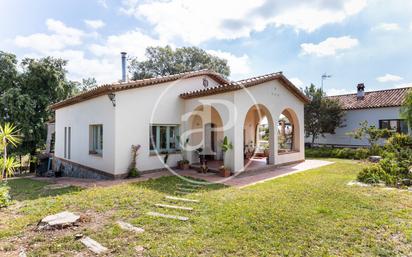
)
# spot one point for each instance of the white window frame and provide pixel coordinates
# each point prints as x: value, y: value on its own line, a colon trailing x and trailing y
x: 96, y: 143
x: 168, y: 149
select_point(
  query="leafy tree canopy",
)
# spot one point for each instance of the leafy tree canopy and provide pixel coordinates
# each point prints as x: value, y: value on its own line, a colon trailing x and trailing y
x: 322, y: 115
x: 25, y: 95
x: 406, y: 110
x: 163, y: 61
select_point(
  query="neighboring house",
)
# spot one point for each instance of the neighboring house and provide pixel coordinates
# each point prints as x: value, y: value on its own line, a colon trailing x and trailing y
x: 96, y: 129
x: 379, y: 108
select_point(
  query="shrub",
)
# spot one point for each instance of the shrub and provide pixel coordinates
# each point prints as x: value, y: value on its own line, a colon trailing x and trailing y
x: 345, y: 153
x: 361, y: 153
x: 5, y: 199
x: 395, y: 168
x: 133, y: 173
x: 398, y: 141
x: 373, y: 174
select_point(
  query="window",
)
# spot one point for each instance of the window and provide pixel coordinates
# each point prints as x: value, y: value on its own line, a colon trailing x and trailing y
x: 69, y: 139
x: 163, y: 138
x: 96, y: 139
x: 399, y: 126
x: 67, y: 142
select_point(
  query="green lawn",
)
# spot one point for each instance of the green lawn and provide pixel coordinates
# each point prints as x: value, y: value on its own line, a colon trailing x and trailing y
x: 310, y: 213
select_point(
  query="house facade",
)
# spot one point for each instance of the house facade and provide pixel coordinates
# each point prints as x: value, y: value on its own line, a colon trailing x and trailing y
x: 178, y: 116
x: 379, y: 108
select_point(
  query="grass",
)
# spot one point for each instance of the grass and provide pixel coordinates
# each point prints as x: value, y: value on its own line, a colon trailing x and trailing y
x: 310, y: 213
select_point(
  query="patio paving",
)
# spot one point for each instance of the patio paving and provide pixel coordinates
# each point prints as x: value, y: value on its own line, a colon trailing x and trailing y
x: 244, y: 179
x: 253, y: 177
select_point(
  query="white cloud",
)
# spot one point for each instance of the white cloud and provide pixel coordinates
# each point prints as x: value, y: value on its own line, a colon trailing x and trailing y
x: 95, y: 24
x: 132, y: 42
x: 297, y: 82
x: 239, y: 65
x: 330, y: 46
x: 61, y: 37
x: 387, y: 26
x: 338, y: 91
x: 410, y: 26
x: 389, y: 78
x: 103, y: 3
x: 198, y: 21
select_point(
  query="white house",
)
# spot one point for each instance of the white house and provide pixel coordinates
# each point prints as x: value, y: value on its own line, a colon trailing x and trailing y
x: 379, y: 108
x: 96, y: 129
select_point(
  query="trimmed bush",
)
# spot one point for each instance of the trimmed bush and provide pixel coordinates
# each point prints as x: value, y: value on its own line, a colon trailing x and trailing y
x: 343, y: 153
x: 4, y: 196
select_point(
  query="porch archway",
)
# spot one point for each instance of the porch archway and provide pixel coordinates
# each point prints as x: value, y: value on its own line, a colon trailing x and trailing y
x: 288, y: 132
x: 207, y: 133
x: 258, y: 137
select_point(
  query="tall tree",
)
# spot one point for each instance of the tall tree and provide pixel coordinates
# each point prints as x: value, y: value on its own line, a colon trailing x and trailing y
x: 322, y: 115
x: 25, y: 95
x: 163, y: 61
x: 406, y: 110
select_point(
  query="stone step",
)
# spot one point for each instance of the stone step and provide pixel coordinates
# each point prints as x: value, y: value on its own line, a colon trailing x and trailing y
x: 174, y: 207
x: 190, y: 185
x: 181, y: 199
x: 185, y: 192
x: 93, y: 245
x: 158, y: 214
x: 186, y: 189
x: 129, y: 227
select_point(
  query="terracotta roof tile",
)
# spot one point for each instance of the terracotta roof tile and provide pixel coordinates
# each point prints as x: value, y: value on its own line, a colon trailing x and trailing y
x: 107, y: 88
x: 237, y: 85
x: 374, y: 99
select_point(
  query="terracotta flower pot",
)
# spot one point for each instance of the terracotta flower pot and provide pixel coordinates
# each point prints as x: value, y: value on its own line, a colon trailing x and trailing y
x: 224, y: 172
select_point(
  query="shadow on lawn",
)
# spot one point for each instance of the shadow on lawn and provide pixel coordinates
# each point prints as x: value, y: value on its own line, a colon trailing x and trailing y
x: 171, y: 184
x: 27, y: 189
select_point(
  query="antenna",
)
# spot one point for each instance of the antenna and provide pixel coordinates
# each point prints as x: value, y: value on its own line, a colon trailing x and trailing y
x: 323, y: 77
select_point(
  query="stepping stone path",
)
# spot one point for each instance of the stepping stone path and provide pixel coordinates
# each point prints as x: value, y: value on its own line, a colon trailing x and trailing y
x: 93, y: 245
x: 22, y: 252
x: 157, y: 214
x: 173, y: 207
x: 129, y: 227
x: 186, y: 189
x: 357, y: 183
x: 182, y: 192
x: 56, y: 186
x: 181, y: 199
x: 59, y: 220
x: 189, y: 185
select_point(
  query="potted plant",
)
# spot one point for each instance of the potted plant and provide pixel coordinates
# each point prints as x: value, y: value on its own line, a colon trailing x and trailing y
x: 226, y: 146
x: 224, y: 172
x: 266, y: 153
x: 183, y: 164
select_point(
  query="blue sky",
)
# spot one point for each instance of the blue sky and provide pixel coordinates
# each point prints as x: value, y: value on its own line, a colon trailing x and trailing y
x: 355, y: 41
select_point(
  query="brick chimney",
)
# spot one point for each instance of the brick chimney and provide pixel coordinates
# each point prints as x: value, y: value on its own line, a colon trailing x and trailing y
x: 361, y: 91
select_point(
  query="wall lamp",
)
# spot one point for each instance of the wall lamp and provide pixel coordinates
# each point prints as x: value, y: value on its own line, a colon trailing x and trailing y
x: 112, y: 97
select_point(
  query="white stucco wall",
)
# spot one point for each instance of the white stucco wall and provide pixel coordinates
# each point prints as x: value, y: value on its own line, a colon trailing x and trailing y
x: 352, y: 119
x: 274, y: 96
x: 138, y: 108
x: 79, y: 116
x: 129, y: 122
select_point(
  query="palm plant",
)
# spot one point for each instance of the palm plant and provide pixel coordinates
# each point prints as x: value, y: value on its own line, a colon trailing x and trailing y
x: 8, y: 135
